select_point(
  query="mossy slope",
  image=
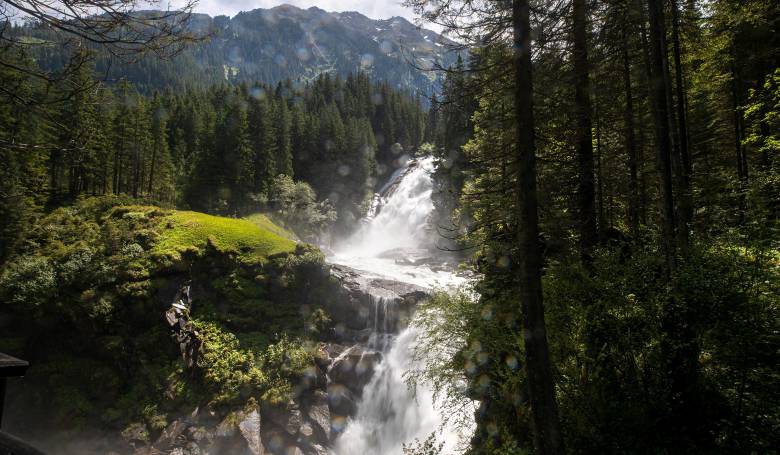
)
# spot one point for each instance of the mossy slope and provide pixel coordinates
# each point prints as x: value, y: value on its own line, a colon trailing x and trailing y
x: 254, y: 239
x: 94, y: 280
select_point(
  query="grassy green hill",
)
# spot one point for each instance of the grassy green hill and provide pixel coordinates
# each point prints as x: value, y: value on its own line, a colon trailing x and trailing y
x: 254, y: 238
x: 84, y: 298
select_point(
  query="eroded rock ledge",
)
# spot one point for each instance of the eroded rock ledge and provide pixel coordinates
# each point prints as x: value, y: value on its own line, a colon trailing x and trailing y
x: 371, y: 304
x: 363, y: 309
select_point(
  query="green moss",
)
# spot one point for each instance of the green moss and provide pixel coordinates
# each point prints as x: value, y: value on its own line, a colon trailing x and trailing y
x: 91, y: 277
x: 184, y: 230
x: 237, y: 287
x: 263, y: 222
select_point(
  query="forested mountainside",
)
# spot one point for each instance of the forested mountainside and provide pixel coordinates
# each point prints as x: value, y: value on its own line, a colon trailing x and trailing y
x: 626, y: 226
x: 219, y: 150
x: 574, y: 250
x: 284, y: 42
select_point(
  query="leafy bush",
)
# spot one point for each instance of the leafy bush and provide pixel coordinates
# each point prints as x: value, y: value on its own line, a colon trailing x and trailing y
x: 233, y: 373
x: 82, y: 301
x: 295, y: 203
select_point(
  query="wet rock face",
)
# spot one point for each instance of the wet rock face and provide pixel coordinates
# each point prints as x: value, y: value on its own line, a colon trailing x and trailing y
x: 366, y: 311
x: 250, y: 429
x: 306, y: 425
x: 318, y: 413
x: 420, y: 256
x: 287, y: 417
x: 353, y: 368
x: 369, y: 304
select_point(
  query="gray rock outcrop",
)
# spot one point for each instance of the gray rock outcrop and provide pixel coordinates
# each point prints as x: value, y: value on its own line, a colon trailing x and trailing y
x: 369, y: 304
x: 366, y: 311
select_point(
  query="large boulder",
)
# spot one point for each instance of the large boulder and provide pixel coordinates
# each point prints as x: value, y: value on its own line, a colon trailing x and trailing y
x: 287, y: 417
x: 280, y: 442
x: 250, y: 430
x: 354, y: 367
x: 368, y: 304
x: 341, y: 401
x: 239, y: 433
x: 172, y: 436
x: 318, y: 413
x: 316, y: 449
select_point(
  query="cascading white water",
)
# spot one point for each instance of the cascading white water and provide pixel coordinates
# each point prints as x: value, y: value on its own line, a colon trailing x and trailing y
x: 402, y: 220
x: 400, y: 227
x: 389, y: 414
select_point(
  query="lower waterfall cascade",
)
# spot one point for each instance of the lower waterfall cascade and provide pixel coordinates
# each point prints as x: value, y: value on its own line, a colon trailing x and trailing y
x: 387, y: 245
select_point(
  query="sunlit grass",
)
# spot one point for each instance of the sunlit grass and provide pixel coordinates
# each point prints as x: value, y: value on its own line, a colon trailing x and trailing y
x: 253, y: 239
x: 263, y: 222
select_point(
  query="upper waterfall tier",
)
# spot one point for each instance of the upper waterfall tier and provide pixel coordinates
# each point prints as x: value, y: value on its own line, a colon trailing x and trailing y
x: 402, y: 219
x: 396, y: 240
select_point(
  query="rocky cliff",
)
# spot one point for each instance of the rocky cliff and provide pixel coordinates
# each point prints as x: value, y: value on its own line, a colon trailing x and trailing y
x: 363, y: 311
x: 267, y: 351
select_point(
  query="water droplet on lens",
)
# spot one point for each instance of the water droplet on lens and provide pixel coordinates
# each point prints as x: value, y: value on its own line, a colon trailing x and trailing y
x: 344, y: 170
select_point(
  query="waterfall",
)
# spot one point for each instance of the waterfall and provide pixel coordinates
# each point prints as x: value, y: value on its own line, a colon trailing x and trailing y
x: 389, y: 415
x: 396, y: 228
x: 397, y: 232
x: 403, y: 207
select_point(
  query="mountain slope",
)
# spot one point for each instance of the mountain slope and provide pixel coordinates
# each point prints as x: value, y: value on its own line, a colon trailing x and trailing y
x: 284, y: 42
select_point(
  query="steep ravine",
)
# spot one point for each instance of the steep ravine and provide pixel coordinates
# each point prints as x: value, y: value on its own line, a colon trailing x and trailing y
x: 354, y: 359
x: 357, y: 401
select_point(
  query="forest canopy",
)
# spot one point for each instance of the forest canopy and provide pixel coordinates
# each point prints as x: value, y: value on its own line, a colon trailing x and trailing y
x: 606, y: 181
x: 612, y: 169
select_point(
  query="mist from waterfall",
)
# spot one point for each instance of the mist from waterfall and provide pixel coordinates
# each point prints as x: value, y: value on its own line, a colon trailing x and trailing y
x: 389, y: 414
x: 402, y: 221
x: 400, y: 229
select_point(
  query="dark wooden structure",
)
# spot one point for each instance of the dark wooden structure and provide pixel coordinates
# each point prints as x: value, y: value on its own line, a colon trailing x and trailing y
x: 9, y: 445
x: 9, y: 367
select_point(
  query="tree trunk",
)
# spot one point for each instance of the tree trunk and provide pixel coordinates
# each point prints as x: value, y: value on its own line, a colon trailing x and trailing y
x: 738, y: 147
x: 586, y: 194
x: 151, y: 166
x: 659, y: 95
x: 685, y: 212
x: 679, y: 349
x: 541, y: 390
x: 117, y: 177
x: 54, y: 171
x: 600, y: 180
x: 633, y: 186
x: 644, y: 140
x: 136, y: 156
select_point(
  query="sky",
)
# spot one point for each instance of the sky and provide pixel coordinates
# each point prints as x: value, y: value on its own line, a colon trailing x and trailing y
x: 375, y: 9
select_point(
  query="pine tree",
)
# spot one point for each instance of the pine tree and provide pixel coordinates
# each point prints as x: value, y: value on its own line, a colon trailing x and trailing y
x: 541, y: 388
x: 232, y: 142
x: 283, y: 124
x: 262, y: 134
x: 161, y: 172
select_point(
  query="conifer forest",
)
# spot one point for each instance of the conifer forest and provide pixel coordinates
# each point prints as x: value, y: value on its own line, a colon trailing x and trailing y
x: 479, y: 227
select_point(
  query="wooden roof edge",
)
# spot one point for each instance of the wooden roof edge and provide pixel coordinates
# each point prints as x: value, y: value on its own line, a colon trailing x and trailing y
x: 11, y: 366
x: 13, y: 445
